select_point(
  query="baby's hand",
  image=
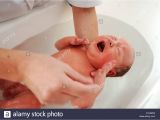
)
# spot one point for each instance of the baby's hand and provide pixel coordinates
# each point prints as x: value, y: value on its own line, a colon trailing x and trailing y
x: 69, y: 41
x: 79, y: 41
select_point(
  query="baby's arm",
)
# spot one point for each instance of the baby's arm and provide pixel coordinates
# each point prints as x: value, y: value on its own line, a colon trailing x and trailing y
x: 71, y: 40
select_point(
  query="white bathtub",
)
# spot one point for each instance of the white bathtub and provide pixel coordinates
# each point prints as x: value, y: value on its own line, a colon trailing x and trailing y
x: 129, y: 91
x: 16, y: 31
x: 118, y: 92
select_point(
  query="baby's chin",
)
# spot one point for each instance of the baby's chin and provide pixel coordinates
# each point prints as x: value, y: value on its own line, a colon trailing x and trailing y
x: 93, y: 59
x: 95, y: 62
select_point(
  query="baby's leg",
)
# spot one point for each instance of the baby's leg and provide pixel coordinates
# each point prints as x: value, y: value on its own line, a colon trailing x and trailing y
x: 4, y: 84
x: 17, y: 96
x: 13, y: 90
x: 23, y: 100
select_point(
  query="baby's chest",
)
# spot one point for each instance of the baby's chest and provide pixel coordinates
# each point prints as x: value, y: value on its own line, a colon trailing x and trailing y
x: 77, y: 59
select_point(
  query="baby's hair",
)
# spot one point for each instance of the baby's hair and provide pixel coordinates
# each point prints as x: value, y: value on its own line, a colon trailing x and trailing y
x: 121, y: 71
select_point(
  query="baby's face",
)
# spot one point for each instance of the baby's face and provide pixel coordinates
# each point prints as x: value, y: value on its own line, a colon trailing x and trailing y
x: 108, y: 48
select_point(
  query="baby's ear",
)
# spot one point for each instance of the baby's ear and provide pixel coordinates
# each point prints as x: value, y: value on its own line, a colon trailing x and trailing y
x: 111, y: 73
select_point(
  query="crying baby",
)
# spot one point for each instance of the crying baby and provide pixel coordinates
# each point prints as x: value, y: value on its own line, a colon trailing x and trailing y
x: 81, y: 55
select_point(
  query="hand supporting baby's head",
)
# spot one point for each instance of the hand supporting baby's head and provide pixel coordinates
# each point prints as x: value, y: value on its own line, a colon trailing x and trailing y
x: 108, y: 48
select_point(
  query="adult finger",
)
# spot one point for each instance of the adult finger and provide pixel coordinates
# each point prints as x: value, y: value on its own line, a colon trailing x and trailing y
x: 82, y: 103
x: 77, y: 89
x: 59, y: 98
x: 108, y: 66
x: 77, y: 76
x: 100, y: 75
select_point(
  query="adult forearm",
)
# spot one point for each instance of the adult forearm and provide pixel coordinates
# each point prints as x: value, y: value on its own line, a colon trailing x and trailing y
x: 10, y: 61
x: 85, y: 22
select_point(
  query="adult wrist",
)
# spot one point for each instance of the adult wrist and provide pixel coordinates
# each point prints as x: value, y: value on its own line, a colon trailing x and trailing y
x: 25, y: 64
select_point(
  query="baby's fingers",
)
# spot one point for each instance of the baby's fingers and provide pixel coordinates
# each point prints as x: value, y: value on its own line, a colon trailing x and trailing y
x: 80, y: 41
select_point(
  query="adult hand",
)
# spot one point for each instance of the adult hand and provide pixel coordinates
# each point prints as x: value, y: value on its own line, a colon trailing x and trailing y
x: 87, y: 98
x: 49, y: 78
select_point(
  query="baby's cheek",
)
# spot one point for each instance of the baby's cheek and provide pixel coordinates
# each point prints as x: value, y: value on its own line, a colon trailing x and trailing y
x: 100, y: 63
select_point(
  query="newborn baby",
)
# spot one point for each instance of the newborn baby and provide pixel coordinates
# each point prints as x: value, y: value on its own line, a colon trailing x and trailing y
x: 82, y: 56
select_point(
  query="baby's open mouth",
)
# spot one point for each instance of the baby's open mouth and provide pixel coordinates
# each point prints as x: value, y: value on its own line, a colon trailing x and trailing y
x: 101, y: 46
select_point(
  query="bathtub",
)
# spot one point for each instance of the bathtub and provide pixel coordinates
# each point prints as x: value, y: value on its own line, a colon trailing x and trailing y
x: 118, y: 92
x: 129, y: 91
x: 16, y: 31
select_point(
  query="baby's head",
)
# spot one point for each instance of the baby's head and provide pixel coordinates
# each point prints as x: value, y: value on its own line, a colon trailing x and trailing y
x: 107, y: 48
